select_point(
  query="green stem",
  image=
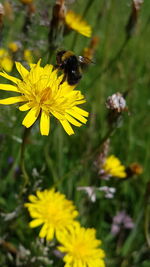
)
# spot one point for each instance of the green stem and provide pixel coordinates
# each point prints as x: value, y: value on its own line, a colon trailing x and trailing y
x: 87, y: 7
x: 50, y: 164
x: 81, y: 163
x: 147, y: 214
x: 22, y: 159
x: 147, y: 224
x: 75, y: 37
x: 85, y: 11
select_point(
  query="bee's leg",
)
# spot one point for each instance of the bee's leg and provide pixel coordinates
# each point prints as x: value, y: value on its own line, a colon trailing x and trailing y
x: 56, y: 67
x: 63, y: 79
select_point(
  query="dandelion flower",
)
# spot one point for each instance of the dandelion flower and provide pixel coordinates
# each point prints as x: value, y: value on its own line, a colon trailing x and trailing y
x: 113, y: 167
x: 41, y: 94
x: 81, y: 248
x: 53, y: 210
x: 76, y: 23
x: 14, y: 46
x: 6, y: 62
x: 28, y: 56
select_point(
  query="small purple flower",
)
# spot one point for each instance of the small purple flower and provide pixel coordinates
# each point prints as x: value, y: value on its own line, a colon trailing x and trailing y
x: 121, y: 220
x: 10, y: 160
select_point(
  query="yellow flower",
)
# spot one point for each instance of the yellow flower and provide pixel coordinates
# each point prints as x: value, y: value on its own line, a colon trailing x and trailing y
x: 76, y: 23
x: 6, y: 62
x: 43, y: 95
x: 81, y: 248
x: 53, y: 210
x: 113, y: 167
x: 13, y: 46
x: 28, y: 56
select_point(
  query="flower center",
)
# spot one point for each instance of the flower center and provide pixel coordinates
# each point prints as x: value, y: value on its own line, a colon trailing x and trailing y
x: 45, y: 95
x: 80, y: 250
x: 52, y: 214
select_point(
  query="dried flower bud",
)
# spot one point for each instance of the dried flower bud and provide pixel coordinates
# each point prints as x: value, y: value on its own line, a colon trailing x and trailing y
x: 137, y: 4
x: 103, y: 154
x: 132, y: 21
x: 89, y: 51
x: 26, y: 2
x: 56, y: 30
x: 2, y: 11
x: 116, y: 102
x: 9, y: 11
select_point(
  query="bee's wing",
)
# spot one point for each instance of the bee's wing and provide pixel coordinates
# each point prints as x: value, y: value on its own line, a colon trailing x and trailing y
x: 85, y: 60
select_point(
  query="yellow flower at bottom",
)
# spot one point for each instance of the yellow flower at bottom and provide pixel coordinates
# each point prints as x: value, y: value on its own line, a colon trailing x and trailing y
x: 42, y: 94
x: 76, y: 23
x: 53, y: 210
x: 6, y: 62
x: 113, y: 167
x: 81, y: 248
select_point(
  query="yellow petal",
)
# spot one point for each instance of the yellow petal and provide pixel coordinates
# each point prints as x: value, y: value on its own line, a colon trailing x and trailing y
x: 72, y: 120
x: 81, y: 111
x: 9, y: 77
x: 8, y: 87
x: 22, y: 70
x: 35, y: 223
x: 44, y: 123
x: 12, y: 100
x: 43, y: 231
x: 32, y: 198
x: 67, y: 127
x: 77, y: 115
x: 31, y: 117
x: 50, y: 233
x: 32, y: 65
x: 24, y: 107
x: 58, y: 115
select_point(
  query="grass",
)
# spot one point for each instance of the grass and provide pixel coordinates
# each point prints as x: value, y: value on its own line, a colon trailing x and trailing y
x: 64, y: 162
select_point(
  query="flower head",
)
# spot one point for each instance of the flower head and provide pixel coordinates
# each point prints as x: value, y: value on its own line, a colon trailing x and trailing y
x: 113, y: 167
x: 76, y: 23
x: 90, y: 190
x: 81, y: 248
x: 116, y: 102
x: 6, y: 62
x: 14, y: 46
x: 41, y: 93
x: 28, y: 56
x: 53, y: 210
x: 121, y: 221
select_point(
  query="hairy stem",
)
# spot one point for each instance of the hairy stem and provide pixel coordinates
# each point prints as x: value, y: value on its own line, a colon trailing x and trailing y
x: 22, y: 159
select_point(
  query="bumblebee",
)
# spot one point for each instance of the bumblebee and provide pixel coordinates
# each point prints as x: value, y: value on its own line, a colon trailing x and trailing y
x: 71, y: 65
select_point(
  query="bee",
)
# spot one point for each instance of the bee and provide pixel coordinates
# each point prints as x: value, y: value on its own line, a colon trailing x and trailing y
x: 71, y: 65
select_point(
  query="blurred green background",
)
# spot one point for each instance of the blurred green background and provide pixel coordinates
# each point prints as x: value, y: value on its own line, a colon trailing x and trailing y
x: 63, y: 161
